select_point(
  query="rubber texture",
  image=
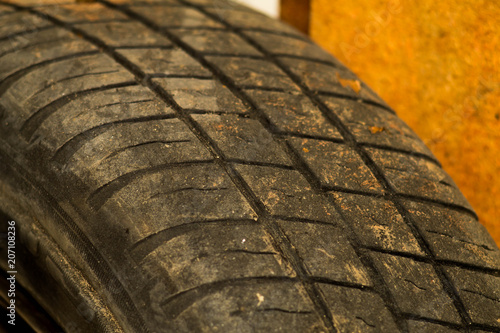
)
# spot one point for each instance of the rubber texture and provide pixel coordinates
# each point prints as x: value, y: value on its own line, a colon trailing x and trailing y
x: 178, y: 166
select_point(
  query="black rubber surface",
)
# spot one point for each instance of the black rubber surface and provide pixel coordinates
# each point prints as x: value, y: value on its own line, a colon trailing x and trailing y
x: 194, y: 166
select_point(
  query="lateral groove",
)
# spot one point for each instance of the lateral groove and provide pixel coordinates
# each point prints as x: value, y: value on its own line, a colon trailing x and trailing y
x: 199, y: 292
x: 165, y: 142
x: 25, y: 32
x: 177, y: 76
x: 412, y: 316
x: 38, y: 117
x: 99, y: 196
x: 70, y: 147
x: 12, y: 78
x: 31, y: 45
x: 401, y: 151
x: 273, y: 165
x: 71, y: 78
x: 337, y: 95
x: 284, y: 135
x: 283, y: 310
x: 299, y: 57
x: 144, y: 246
x: 231, y: 55
x: 442, y: 262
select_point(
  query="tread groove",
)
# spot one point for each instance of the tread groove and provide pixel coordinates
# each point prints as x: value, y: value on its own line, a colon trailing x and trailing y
x: 332, y: 94
x: 38, y: 117
x: 178, y: 76
x: 64, y: 153
x: 232, y: 55
x: 273, y: 165
x: 458, y: 327
x: 25, y: 32
x: 450, y: 263
x: 143, y: 247
x: 401, y: 151
x: 70, y: 78
x: 12, y: 78
x: 414, y: 198
x: 280, y: 33
x: 99, y: 196
x: 298, y: 57
x: 34, y: 44
x: 203, y: 290
x: 140, y: 47
x: 368, y: 145
x: 166, y: 142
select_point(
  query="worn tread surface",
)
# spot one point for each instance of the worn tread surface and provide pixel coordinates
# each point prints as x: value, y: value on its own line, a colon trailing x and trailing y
x: 211, y: 169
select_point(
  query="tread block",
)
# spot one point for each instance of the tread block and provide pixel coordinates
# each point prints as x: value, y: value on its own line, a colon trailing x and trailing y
x: 124, y: 34
x: 425, y: 327
x: 242, y: 139
x: 90, y: 12
x: 320, y: 77
x: 31, y: 39
x: 247, y: 306
x: 176, y: 195
x: 293, y: 113
x: 455, y: 236
x: 17, y: 22
x: 176, y: 17
x: 57, y: 44
x: 417, y: 176
x: 377, y: 223
x: 216, y: 41
x: 207, y: 255
x: 480, y: 293
x: 326, y: 253
x: 168, y: 62
x: 415, y: 287
x: 373, y: 125
x: 47, y: 84
x: 287, y: 193
x: 100, y: 108
x: 335, y: 164
x: 355, y: 310
x: 288, y: 45
x: 168, y: 141
x: 253, y: 73
x: 202, y: 94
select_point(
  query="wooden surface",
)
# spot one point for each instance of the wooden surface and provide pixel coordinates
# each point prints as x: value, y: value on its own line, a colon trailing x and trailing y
x: 296, y: 13
x: 437, y: 65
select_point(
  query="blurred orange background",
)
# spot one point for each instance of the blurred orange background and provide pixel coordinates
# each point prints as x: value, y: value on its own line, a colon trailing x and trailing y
x: 438, y: 65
